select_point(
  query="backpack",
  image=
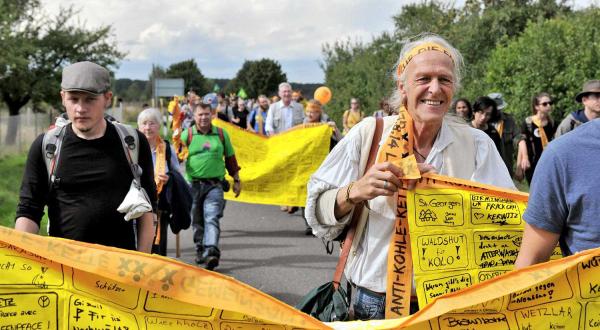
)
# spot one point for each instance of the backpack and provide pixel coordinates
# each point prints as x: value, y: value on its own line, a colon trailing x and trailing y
x: 53, y: 138
x: 191, y: 135
x: 224, y: 183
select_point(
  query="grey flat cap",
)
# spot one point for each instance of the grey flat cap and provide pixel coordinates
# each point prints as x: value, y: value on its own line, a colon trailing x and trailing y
x: 85, y: 77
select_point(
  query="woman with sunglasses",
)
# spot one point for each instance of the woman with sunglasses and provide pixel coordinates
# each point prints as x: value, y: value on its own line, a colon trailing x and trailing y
x: 536, y: 132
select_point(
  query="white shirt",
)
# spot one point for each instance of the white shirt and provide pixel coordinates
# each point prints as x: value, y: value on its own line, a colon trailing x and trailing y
x: 368, y: 268
x: 287, y: 112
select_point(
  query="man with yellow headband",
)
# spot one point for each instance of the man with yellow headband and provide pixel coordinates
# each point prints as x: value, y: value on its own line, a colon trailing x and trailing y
x: 428, y: 74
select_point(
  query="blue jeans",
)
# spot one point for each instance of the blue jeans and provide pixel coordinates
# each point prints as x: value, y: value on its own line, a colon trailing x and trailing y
x: 368, y: 305
x: 207, y: 209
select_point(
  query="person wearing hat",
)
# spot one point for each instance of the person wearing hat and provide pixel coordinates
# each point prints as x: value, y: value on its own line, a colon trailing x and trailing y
x: 590, y: 98
x: 91, y: 176
x: 509, y: 131
x: 564, y: 204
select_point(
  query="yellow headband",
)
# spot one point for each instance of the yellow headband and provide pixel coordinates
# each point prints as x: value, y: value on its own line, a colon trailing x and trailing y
x: 418, y: 50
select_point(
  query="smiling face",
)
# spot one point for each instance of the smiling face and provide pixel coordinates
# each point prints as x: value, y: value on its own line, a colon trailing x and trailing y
x: 429, y: 86
x: 285, y: 92
x: 462, y: 109
x: 85, y: 110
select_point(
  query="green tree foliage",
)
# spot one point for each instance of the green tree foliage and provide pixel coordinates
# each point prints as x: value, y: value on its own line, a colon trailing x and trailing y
x: 359, y: 71
x: 363, y: 70
x: 555, y: 56
x: 257, y: 77
x: 36, y: 47
x: 192, y: 77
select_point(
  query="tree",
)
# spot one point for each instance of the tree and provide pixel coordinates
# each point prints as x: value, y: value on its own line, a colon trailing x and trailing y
x: 356, y: 70
x: 35, y: 48
x: 555, y: 56
x: 363, y: 70
x: 192, y: 77
x: 258, y: 77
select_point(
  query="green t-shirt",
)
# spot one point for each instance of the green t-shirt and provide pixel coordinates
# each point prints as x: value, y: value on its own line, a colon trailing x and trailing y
x: 205, y: 160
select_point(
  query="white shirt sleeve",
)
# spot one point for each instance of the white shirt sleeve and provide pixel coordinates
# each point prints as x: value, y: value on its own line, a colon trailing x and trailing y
x: 339, y: 169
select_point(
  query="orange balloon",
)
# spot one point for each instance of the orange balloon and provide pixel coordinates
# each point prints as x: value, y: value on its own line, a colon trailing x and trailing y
x: 323, y: 95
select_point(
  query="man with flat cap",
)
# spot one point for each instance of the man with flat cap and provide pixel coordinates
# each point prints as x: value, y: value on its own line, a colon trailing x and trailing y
x: 90, y: 173
x: 590, y: 98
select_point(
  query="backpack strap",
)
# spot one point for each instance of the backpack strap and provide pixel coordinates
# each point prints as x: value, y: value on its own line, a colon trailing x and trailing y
x: 190, y: 135
x: 222, y: 138
x: 51, y: 144
x: 358, y: 209
x: 130, y: 143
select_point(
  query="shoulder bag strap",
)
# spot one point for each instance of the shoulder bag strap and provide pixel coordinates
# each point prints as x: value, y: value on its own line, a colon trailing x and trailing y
x: 339, y: 269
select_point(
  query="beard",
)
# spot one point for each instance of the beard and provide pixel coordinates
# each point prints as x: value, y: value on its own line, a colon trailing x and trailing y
x: 265, y: 107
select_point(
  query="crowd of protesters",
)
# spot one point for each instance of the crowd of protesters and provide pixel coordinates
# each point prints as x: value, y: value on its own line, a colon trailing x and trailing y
x: 504, y: 149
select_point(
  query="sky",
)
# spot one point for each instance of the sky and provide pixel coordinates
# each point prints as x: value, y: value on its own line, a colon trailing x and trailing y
x: 221, y: 34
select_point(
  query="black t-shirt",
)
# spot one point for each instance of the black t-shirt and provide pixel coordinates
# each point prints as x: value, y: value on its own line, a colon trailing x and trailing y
x: 534, y: 142
x: 92, y: 179
x: 495, y: 136
x: 242, y: 116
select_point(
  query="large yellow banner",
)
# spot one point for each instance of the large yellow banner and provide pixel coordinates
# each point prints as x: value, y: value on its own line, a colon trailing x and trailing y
x: 51, y: 283
x: 462, y: 233
x: 463, y: 275
x: 275, y: 170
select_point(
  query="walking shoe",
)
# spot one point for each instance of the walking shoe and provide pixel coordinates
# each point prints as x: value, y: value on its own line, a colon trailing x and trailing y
x: 200, y: 259
x: 292, y: 209
x: 212, y: 262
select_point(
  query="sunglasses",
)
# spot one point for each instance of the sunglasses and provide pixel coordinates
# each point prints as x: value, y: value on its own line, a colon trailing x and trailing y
x: 547, y: 103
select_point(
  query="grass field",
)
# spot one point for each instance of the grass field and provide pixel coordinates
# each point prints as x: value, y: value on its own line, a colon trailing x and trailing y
x: 11, y: 167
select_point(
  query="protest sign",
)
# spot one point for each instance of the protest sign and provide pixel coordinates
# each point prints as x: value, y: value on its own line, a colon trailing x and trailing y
x: 276, y: 169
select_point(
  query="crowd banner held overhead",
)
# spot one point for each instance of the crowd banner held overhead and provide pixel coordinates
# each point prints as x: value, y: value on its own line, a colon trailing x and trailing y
x: 276, y: 169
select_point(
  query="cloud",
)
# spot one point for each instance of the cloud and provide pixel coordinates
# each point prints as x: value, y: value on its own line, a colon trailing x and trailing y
x: 221, y: 34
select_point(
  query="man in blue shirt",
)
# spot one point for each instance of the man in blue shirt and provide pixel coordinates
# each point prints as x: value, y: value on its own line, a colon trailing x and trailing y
x: 563, y: 202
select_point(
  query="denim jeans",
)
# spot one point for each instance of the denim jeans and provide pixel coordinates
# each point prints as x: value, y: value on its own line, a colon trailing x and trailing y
x: 368, y: 305
x: 207, y: 209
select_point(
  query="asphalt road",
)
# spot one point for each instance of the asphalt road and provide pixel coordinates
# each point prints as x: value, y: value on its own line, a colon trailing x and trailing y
x: 267, y: 249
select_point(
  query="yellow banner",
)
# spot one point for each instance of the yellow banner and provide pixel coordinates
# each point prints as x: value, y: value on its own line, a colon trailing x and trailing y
x: 462, y: 233
x: 51, y: 283
x: 276, y: 169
